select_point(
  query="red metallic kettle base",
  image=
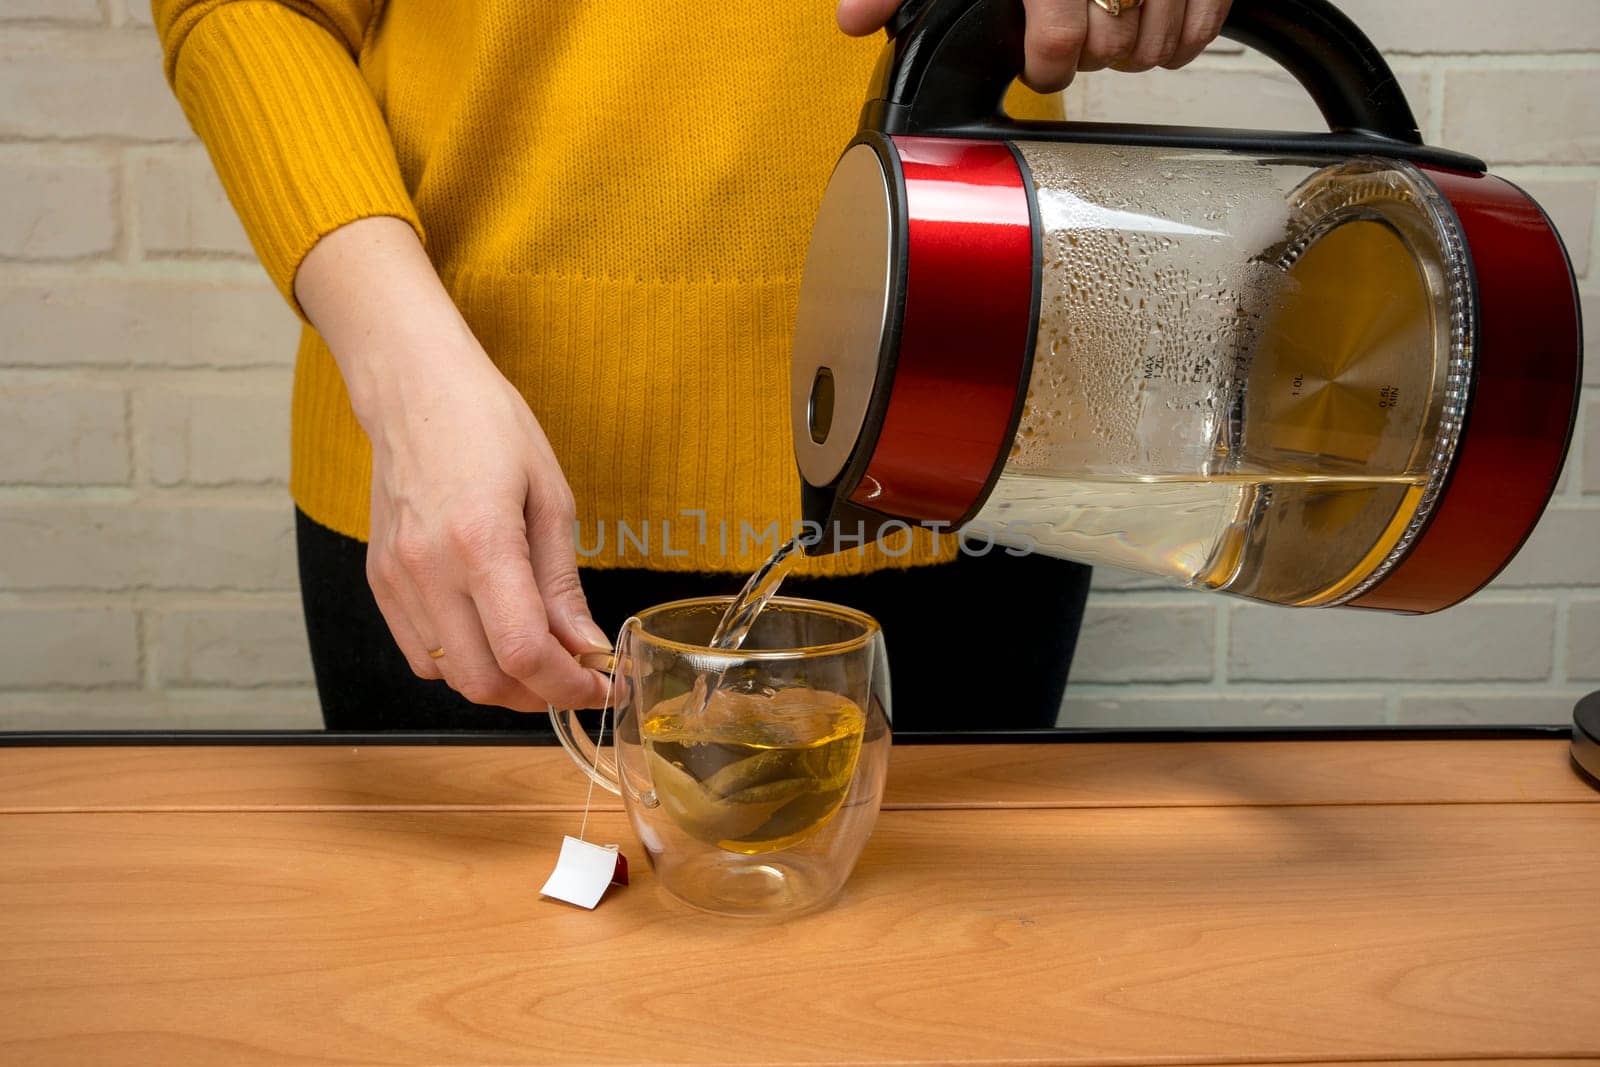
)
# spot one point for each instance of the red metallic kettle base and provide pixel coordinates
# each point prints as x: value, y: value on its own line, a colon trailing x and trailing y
x: 1528, y: 363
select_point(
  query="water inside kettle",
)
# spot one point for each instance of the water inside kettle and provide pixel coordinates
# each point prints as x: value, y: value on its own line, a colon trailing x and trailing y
x: 1262, y: 535
x: 1265, y: 422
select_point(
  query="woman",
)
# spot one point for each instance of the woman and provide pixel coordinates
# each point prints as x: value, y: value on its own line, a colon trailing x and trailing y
x: 547, y: 256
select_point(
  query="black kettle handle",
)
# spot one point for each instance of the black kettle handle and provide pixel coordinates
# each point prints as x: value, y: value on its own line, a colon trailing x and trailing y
x: 950, y: 62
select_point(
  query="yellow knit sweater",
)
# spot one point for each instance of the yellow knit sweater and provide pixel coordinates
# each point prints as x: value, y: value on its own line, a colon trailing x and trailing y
x: 618, y: 197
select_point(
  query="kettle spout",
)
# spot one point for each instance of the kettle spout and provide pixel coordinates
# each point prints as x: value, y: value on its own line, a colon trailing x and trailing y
x: 830, y: 523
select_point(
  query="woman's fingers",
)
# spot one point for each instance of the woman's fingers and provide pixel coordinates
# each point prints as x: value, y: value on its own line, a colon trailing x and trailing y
x: 512, y: 614
x: 397, y: 598
x: 1053, y: 42
x: 469, y: 589
x: 861, y: 17
x: 1160, y: 32
x: 398, y: 612
x: 1065, y: 36
x: 469, y: 664
x: 1110, y: 37
x: 1202, y: 21
x: 1053, y: 36
x: 554, y: 554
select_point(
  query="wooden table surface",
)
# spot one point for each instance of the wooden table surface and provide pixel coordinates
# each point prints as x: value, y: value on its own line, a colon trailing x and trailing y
x: 1193, y: 903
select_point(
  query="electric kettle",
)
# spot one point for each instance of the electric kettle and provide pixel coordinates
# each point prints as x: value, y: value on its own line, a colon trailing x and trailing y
x: 1315, y: 369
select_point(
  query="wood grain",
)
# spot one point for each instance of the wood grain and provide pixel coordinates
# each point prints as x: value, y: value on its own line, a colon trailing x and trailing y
x: 185, y: 778
x: 1106, y: 936
x: 1198, y: 903
x: 1052, y: 775
x: 1212, y: 773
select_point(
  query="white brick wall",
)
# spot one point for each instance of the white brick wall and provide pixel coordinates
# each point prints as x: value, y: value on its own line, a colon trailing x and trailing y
x: 61, y: 202
x: 147, y: 576
x: 147, y: 573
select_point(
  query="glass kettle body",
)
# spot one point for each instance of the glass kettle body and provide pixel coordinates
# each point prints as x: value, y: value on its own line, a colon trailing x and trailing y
x: 1309, y: 369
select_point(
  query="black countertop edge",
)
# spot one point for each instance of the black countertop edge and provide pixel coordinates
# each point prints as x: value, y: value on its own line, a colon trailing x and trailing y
x: 1066, y: 735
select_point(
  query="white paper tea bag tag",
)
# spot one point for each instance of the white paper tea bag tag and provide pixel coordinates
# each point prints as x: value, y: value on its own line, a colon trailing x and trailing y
x: 584, y: 871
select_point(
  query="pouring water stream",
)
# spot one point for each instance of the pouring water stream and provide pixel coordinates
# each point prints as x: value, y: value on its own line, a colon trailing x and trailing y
x: 741, y: 615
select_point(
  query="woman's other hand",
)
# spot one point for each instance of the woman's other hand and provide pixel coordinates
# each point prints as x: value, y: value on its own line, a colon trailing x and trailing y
x: 1066, y: 36
x: 471, y: 546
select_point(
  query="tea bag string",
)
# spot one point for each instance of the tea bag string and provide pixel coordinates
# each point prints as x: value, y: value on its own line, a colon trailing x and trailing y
x: 600, y: 740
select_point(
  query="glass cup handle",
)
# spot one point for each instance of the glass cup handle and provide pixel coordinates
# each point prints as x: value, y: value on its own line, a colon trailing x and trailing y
x: 601, y: 768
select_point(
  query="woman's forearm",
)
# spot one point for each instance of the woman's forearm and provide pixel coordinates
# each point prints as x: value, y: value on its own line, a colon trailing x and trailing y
x: 372, y: 293
x: 471, y: 554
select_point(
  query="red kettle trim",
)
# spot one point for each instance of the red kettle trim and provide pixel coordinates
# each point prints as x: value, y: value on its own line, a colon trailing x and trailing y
x: 967, y: 328
x: 1528, y: 364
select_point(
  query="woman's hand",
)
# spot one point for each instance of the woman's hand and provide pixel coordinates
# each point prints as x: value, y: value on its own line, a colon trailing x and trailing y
x: 1066, y: 36
x: 472, y: 520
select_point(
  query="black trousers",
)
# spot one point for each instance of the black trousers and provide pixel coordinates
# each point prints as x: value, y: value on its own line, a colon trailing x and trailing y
x: 982, y: 643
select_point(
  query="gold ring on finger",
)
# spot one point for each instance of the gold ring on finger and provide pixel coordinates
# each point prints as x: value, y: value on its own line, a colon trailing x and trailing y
x: 436, y: 653
x: 1117, y: 7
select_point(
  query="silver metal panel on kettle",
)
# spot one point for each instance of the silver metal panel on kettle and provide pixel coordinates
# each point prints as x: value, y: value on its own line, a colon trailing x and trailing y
x: 844, y: 309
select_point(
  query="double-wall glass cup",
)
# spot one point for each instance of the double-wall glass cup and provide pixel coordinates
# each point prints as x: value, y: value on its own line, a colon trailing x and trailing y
x: 752, y: 777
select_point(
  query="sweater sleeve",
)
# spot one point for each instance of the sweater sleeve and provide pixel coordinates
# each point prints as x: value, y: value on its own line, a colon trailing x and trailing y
x: 272, y: 89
